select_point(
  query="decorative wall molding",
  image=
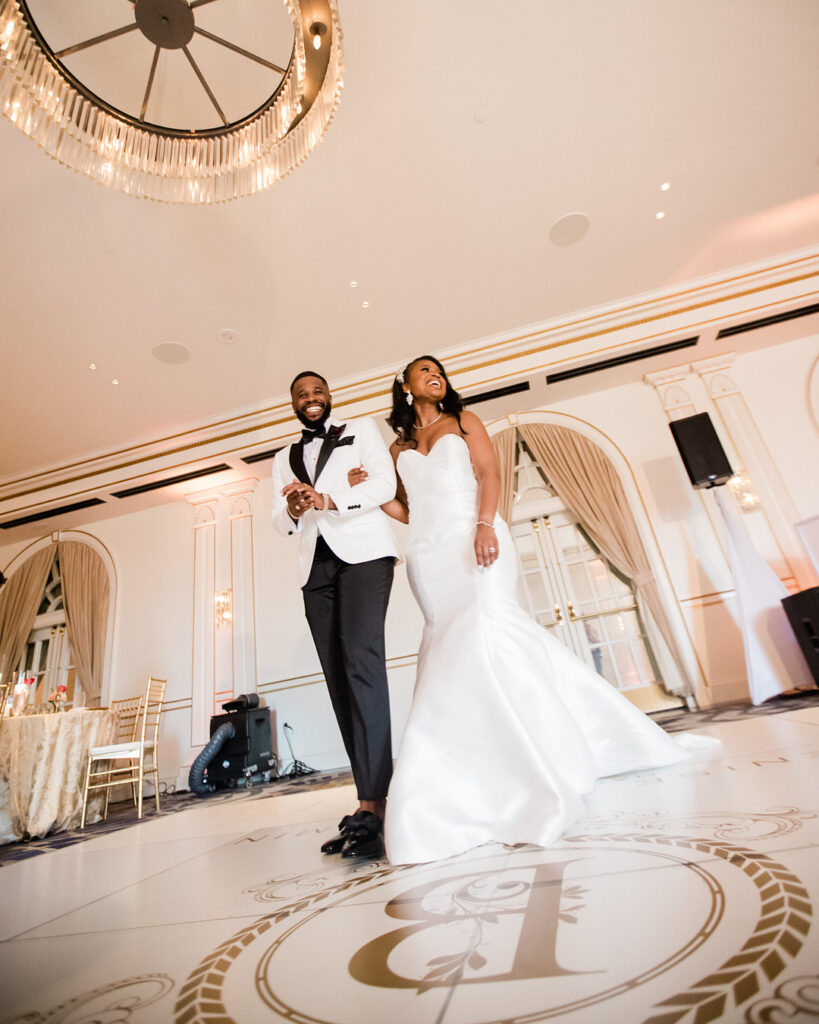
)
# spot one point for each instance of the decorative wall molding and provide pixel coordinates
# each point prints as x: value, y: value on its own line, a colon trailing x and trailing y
x: 672, y: 389
x: 737, y: 423
x: 203, y: 683
x: 616, y: 328
x: 240, y: 496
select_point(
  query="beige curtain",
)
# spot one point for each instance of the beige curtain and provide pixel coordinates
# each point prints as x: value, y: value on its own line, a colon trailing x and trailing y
x: 587, y: 482
x: 86, y: 596
x: 504, y: 444
x: 19, y: 600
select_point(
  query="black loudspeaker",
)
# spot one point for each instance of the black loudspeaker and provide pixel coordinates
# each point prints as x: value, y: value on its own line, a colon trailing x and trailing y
x: 802, y: 610
x: 246, y: 755
x: 705, y: 460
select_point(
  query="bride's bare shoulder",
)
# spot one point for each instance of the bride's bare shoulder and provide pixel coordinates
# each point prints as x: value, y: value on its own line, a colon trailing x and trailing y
x: 469, y: 421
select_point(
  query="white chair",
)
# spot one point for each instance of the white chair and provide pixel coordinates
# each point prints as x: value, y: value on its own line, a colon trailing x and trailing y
x: 136, y: 744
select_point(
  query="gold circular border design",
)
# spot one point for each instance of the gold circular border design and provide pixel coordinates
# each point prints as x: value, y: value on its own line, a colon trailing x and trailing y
x: 780, y: 931
x: 713, y: 918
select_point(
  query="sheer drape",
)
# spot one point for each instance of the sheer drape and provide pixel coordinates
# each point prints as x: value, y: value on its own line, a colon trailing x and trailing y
x: 505, y: 447
x: 588, y: 484
x: 19, y: 600
x: 86, y: 596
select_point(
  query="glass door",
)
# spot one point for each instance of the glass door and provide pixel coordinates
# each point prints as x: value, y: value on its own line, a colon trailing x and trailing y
x: 47, y: 654
x: 572, y: 591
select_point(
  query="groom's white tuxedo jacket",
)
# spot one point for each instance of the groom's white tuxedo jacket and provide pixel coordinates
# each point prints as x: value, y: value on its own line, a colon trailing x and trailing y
x: 357, y: 530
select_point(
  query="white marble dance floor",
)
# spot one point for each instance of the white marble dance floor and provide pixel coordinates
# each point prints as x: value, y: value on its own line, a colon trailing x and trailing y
x: 686, y: 896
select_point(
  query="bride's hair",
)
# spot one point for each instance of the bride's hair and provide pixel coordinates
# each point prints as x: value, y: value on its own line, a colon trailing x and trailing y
x: 402, y: 417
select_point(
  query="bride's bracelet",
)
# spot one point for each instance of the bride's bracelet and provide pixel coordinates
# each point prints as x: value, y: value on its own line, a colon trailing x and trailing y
x: 480, y: 522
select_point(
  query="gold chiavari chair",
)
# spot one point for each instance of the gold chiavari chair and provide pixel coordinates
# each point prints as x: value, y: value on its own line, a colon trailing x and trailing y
x: 133, y: 757
x: 4, y: 693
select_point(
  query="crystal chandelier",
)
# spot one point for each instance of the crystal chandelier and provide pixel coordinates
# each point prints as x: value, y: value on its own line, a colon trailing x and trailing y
x: 162, y: 101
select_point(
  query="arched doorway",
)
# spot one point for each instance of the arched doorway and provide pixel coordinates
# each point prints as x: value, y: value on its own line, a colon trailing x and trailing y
x: 45, y: 649
x: 592, y: 572
x: 575, y: 593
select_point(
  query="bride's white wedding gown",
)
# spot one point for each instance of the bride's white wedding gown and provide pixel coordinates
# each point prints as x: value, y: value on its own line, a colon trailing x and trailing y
x: 507, y: 728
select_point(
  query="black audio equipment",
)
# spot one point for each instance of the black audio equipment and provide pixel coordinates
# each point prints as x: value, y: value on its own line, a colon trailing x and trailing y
x: 248, y: 755
x: 703, y: 455
x: 802, y: 610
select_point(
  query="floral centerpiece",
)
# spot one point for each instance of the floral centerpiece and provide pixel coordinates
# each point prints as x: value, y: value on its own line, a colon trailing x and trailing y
x: 57, y: 698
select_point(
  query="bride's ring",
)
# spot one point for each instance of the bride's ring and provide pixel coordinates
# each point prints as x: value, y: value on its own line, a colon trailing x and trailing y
x: 492, y: 551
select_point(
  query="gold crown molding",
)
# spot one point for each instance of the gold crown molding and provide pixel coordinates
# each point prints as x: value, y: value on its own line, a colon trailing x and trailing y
x: 623, y: 310
x: 283, y: 406
x: 623, y: 346
x: 358, y: 400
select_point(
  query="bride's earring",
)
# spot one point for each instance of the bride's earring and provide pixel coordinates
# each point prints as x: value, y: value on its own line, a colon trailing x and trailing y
x: 441, y: 406
x: 409, y: 397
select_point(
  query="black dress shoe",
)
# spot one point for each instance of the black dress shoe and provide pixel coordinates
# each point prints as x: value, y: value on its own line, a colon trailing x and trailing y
x: 336, y: 844
x: 371, y: 848
x: 364, y: 836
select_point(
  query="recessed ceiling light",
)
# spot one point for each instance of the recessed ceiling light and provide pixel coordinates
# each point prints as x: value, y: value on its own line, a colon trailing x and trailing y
x: 227, y: 336
x: 365, y: 305
x: 115, y: 381
x: 569, y: 229
x: 110, y: 249
x: 666, y: 185
x: 660, y: 215
x: 480, y: 116
x: 354, y: 284
x: 92, y: 366
x: 171, y: 352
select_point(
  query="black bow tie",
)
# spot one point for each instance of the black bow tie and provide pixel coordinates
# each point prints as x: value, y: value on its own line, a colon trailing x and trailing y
x: 308, y: 435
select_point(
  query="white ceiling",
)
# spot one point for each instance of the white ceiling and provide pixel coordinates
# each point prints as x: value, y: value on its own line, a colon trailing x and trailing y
x: 442, y: 216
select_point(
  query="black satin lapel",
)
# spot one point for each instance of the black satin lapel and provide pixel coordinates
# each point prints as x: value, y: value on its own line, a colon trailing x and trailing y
x: 327, y: 447
x: 297, y: 463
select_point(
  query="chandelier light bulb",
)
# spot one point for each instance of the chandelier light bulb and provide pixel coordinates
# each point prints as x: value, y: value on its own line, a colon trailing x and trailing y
x: 665, y: 186
x: 317, y: 30
x: 660, y: 215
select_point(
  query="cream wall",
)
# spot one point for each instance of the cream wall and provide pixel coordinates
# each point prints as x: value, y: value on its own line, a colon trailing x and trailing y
x: 153, y: 555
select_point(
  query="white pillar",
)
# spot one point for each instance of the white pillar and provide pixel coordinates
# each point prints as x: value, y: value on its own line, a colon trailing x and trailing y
x: 778, y: 512
x: 240, y: 496
x: 204, y: 570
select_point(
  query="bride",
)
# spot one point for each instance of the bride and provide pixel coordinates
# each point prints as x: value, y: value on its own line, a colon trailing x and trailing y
x: 507, y: 729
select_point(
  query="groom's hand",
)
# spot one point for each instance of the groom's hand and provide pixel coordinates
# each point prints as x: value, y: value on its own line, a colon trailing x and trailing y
x: 300, y: 498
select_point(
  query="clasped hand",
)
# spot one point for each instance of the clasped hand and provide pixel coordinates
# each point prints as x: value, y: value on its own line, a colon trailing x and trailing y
x: 301, y: 498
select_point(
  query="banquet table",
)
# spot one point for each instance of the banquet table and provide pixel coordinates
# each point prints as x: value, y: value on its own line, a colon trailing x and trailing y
x: 42, y: 770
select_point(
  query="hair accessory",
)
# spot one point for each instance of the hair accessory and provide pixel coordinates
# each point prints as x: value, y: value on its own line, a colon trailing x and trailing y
x: 400, y: 375
x: 409, y: 397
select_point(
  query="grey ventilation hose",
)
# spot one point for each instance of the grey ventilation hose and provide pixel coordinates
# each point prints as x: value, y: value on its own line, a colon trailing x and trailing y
x: 196, y: 776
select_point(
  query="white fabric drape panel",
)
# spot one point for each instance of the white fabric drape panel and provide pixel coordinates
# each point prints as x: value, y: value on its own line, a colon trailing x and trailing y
x: 86, y: 597
x: 19, y: 601
x: 588, y: 484
x: 772, y: 656
x: 505, y: 445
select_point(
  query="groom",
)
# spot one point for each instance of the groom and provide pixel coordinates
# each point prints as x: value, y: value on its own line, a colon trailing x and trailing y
x: 347, y: 556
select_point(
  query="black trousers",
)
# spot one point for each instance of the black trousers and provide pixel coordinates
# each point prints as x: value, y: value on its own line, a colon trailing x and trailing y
x: 345, y: 606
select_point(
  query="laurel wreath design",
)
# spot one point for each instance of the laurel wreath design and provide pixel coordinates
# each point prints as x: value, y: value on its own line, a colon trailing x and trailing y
x: 779, y: 934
